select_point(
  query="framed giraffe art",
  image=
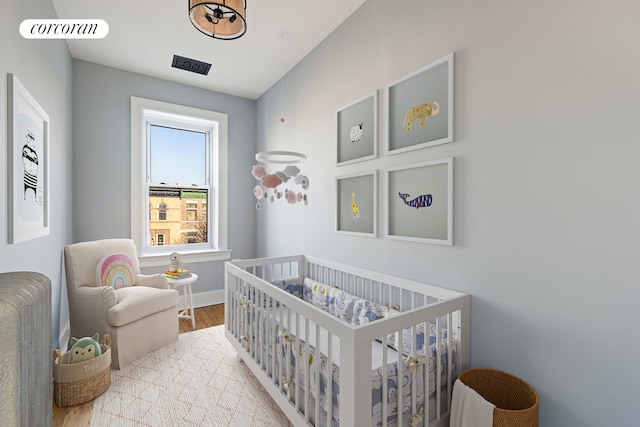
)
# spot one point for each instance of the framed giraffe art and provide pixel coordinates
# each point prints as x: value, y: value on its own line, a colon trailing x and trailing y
x: 28, y: 164
x: 420, y: 202
x: 356, y: 204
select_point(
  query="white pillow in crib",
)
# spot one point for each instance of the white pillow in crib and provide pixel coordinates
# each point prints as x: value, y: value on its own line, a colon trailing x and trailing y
x: 367, y: 311
x: 355, y: 310
x: 315, y: 293
x: 336, y: 302
x: 342, y: 305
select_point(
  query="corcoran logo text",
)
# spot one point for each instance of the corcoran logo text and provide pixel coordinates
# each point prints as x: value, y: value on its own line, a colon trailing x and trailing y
x: 64, y: 29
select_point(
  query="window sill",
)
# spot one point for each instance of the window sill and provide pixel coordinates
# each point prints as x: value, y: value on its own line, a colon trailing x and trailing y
x: 162, y: 259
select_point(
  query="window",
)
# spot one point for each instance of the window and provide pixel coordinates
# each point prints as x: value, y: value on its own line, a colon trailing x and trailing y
x: 162, y: 212
x: 192, y: 236
x: 192, y: 211
x: 178, y: 164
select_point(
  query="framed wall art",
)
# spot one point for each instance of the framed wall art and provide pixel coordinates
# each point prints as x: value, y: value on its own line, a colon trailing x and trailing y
x: 420, y: 202
x: 28, y: 164
x: 357, y: 130
x: 420, y: 107
x: 356, y: 204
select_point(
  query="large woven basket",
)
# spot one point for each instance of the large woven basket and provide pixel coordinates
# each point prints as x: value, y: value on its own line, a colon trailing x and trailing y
x: 76, y: 383
x: 516, y: 401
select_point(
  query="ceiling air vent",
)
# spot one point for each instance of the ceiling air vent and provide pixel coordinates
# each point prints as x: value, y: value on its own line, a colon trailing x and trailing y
x: 189, y: 64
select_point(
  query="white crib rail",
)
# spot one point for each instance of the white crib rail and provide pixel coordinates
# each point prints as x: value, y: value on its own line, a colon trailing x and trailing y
x: 259, y: 317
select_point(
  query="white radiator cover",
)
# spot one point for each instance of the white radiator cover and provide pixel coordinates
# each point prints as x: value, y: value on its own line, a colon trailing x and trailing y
x: 26, y: 354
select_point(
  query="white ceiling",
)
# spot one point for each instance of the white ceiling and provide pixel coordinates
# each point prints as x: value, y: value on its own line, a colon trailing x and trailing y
x: 144, y: 35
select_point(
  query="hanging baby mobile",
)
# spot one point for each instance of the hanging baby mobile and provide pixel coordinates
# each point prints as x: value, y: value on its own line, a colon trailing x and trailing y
x: 280, y: 176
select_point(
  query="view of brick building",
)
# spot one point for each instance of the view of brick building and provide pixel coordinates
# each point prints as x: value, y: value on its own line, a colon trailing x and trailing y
x: 177, y: 215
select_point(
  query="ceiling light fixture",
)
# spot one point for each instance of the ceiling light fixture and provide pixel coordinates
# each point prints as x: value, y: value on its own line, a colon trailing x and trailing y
x: 220, y: 19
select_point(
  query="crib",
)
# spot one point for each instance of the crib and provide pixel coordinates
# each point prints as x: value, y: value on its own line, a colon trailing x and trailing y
x: 336, y: 345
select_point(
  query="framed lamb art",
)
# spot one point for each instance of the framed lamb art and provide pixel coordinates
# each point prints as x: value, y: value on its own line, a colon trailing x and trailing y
x: 357, y: 130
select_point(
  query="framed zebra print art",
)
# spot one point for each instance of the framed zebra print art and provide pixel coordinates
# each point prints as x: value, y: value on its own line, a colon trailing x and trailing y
x: 28, y: 164
x: 420, y: 202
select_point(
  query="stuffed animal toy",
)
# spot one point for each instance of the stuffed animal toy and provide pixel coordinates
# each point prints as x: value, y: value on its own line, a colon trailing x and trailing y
x: 84, y: 349
x: 175, y: 264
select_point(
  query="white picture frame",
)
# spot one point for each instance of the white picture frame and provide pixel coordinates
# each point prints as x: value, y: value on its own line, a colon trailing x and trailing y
x: 357, y: 130
x: 419, y: 201
x: 28, y: 164
x: 420, y: 107
x: 357, y: 204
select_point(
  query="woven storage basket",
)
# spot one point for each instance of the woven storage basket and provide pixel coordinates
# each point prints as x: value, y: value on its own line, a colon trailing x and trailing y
x: 76, y: 383
x: 516, y: 401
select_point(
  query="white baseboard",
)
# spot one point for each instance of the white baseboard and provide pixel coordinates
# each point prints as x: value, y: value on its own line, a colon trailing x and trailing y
x: 203, y: 299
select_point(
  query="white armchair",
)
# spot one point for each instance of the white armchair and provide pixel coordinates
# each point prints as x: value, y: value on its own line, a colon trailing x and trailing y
x: 140, y: 318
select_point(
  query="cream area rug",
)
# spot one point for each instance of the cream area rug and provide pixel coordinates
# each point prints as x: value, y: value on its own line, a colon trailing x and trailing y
x: 195, y: 381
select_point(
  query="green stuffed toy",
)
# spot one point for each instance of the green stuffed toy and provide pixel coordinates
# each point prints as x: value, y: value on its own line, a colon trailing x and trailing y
x: 84, y: 349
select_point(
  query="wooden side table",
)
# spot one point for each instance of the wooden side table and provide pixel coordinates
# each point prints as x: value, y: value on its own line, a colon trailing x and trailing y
x: 187, y: 297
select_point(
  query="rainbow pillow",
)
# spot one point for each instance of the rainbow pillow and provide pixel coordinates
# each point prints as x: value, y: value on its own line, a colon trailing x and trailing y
x: 115, y: 270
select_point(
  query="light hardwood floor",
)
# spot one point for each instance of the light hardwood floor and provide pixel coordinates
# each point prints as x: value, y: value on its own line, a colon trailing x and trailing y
x: 80, y: 415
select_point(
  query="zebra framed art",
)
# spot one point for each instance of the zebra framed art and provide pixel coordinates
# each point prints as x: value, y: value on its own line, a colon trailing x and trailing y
x: 357, y: 130
x: 420, y: 202
x: 357, y: 204
x: 28, y: 164
x: 420, y: 107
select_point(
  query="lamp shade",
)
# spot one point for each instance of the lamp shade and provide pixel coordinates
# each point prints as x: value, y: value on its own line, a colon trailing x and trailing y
x: 221, y: 19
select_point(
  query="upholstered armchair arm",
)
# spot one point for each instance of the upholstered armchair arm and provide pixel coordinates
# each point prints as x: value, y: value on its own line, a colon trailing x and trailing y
x: 88, y: 307
x: 152, y: 281
x: 100, y: 298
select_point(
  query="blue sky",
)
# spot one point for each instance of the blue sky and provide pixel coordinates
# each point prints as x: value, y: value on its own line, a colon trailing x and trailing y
x: 177, y: 156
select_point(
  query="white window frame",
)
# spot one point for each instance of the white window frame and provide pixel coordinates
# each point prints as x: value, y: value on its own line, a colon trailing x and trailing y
x: 142, y: 111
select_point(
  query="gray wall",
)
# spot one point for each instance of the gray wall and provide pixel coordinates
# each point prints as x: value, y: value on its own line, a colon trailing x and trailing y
x: 44, y: 68
x: 546, y: 206
x: 102, y: 166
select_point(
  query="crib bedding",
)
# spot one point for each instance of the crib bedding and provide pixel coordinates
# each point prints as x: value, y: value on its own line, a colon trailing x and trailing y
x: 291, y: 332
x: 376, y: 376
x: 377, y: 348
x: 355, y: 311
x: 411, y: 368
x: 418, y: 361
